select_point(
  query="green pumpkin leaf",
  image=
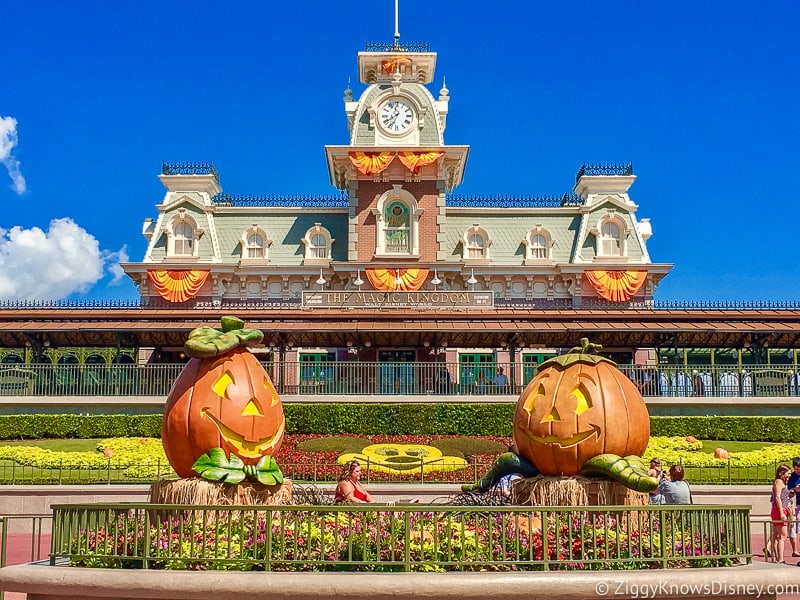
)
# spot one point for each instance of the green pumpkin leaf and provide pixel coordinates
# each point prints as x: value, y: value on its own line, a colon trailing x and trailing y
x: 207, y: 342
x: 630, y: 471
x: 215, y: 466
x: 267, y: 471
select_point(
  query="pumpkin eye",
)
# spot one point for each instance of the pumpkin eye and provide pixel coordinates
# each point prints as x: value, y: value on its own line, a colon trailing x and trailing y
x: 221, y: 386
x: 270, y: 389
x: 584, y: 402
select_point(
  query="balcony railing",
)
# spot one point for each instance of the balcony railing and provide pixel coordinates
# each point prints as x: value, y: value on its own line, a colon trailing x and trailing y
x: 395, y: 379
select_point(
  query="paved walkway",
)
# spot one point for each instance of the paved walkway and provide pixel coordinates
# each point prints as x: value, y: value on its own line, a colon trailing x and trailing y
x: 22, y: 549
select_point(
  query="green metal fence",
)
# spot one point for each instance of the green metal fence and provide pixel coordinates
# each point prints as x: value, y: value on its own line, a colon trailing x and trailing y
x: 328, y: 471
x: 337, y: 377
x: 398, y: 538
x: 31, y: 542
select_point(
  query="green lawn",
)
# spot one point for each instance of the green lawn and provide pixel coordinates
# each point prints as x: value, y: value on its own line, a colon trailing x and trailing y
x: 710, y: 445
x: 59, y: 445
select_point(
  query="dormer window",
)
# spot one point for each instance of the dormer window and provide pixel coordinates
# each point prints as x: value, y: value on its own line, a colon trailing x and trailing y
x: 611, y: 236
x: 183, y: 241
x: 255, y: 245
x: 538, y: 245
x: 476, y: 244
x: 318, y: 243
x: 610, y: 241
x: 182, y: 236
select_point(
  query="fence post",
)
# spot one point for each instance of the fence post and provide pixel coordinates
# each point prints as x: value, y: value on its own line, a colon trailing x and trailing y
x: 729, y: 471
x: 60, y: 470
x: 368, y: 469
x: 315, y: 469
x: 421, y: 470
x: 108, y: 472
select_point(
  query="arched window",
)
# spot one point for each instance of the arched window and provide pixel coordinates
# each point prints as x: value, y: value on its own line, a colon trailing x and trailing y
x: 183, y: 244
x: 476, y: 246
x: 611, y: 235
x: 398, y: 228
x: 475, y: 243
x: 610, y: 239
x: 319, y: 246
x: 537, y: 245
x: 318, y: 242
x: 182, y: 236
x: 255, y: 245
x: 397, y: 222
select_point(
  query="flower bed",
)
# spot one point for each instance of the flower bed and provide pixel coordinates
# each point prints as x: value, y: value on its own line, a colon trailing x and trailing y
x: 421, y: 539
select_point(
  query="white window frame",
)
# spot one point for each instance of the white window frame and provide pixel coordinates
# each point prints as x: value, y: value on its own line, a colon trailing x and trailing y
x: 467, y: 248
x: 399, y: 195
x: 180, y: 230
x: 312, y: 253
x: 246, y: 246
x: 535, y: 253
x: 608, y: 247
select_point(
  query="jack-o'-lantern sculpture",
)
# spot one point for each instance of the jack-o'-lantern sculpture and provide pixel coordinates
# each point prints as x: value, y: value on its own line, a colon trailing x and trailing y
x: 223, y: 419
x: 582, y: 415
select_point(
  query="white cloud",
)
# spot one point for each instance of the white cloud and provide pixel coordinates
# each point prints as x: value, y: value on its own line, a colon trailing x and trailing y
x: 8, y: 141
x: 114, y: 258
x: 39, y: 265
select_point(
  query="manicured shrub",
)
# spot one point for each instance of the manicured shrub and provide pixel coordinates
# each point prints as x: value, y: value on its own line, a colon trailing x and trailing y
x: 464, y: 419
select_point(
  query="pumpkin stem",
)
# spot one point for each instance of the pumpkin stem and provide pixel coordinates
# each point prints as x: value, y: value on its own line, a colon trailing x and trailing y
x: 206, y: 342
x: 586, y: 347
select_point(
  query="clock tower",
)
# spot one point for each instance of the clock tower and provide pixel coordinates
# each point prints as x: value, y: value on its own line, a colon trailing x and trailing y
x: 396, y: 169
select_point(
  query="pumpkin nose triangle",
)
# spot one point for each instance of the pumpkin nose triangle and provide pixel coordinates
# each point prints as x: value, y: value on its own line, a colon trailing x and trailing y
x: 252, y: 410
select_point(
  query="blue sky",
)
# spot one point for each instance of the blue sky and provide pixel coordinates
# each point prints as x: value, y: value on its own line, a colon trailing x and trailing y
x: 701, y: 97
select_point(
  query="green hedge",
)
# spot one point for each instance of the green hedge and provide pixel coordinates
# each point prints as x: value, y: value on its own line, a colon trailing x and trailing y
x: 400, y: 419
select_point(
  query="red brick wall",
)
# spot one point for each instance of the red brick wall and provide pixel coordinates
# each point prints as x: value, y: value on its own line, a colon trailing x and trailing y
x: 368, y: 194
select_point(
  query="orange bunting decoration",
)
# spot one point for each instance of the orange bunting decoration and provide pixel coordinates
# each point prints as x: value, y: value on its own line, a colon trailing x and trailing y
x: 414, y: 161
x: 386, y: 279
x: 369, y: 163
x: 390, y: 65
x: 616, y: 286
x: 177, y: 286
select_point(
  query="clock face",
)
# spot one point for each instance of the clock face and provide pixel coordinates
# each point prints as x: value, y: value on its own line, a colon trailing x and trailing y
x: 396, y: 116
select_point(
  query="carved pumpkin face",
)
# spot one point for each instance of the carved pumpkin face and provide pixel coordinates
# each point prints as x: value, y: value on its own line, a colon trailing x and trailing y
x: 569, y: 414
x: 225, y: 402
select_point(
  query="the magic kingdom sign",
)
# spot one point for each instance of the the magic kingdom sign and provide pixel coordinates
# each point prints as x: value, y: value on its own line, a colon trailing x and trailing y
x: 379, y: 299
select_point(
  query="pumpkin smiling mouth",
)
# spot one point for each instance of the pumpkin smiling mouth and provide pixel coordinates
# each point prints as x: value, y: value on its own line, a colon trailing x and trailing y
x: 565, y: 442
x: 245, y: 448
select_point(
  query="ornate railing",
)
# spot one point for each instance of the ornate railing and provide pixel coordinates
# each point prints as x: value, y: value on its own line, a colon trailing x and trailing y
x: 606, y: 169
x: 514, y: 201
x: 288, y: 200
x: 397, y: 46
x: 500, y: 303
x: 189, y: 168
x: 398, y: 538
x: 358, y: 378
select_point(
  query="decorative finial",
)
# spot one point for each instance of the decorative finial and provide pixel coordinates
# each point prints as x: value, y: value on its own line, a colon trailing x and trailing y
x: 444, y: 91
x: 396, y: 23
x: 348, y: 93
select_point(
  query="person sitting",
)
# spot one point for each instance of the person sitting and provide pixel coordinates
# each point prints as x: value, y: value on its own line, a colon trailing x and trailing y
x: 350, y: 489
x: 675, y: 490
x: 658, y: 474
